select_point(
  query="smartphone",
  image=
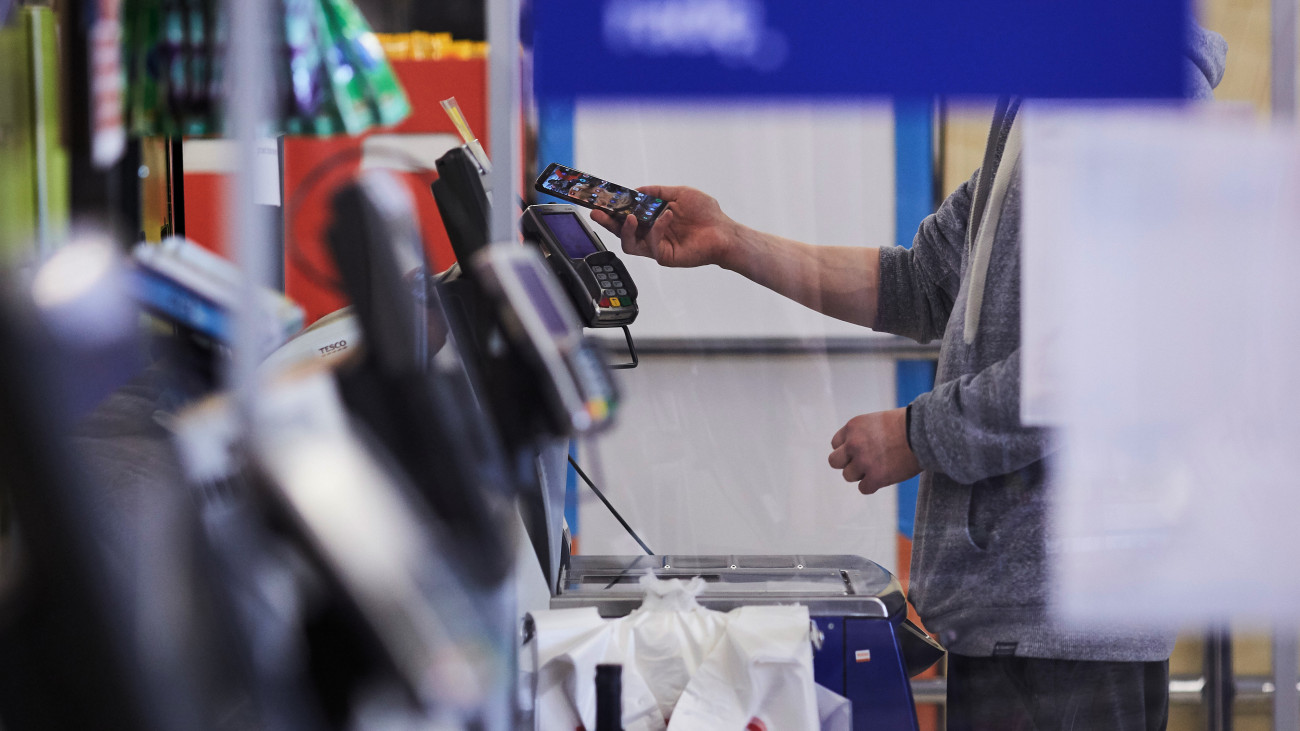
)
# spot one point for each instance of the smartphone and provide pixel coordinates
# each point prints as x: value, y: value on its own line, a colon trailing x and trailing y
x: 590, y: 191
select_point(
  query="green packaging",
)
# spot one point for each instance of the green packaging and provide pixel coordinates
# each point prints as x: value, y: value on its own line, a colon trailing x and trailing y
x: 345, y: 79
x: 33, y: 162
x: 17, y: 145
x: 53, y: 194
x: 383, y: 92
x: 143, y: 35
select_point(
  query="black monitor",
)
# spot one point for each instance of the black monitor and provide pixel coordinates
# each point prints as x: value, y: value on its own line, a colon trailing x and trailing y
x: 520, y: 390
x: 463, y: 203
x: 414, y: 389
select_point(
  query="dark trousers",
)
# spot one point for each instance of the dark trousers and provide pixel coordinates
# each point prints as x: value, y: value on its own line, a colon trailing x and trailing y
x: 1031, y: 694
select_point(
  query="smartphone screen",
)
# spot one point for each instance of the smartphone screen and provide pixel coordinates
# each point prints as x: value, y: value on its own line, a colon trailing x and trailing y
x: 593, y: 192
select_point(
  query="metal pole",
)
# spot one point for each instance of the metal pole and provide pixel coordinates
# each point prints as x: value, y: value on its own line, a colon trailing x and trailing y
x: 1253, y: 691
x: 1286, y: 694
x: 248, y: 108
x: 1286, y: 698
x: 176, y: 185
x: 503, y: 115
x: 1219, y: 687
x: 1283, y: 63
x: 504, y: 180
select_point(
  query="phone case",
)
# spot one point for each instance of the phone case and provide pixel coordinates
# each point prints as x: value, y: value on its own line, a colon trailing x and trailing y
x: 593, y: 191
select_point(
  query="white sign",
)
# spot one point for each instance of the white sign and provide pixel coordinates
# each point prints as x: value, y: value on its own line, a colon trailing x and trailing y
x: 1161, y: 265
x: 220, y: 156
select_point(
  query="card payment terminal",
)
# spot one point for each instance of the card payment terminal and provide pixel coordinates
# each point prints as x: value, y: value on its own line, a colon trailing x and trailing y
x: 576, y: 383
x: 595, y: 279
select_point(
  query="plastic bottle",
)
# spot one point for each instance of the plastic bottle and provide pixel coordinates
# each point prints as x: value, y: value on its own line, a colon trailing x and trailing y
x: 609, y: 698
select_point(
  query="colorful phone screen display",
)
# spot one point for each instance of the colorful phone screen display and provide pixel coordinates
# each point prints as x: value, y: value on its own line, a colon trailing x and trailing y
x: 595, y: 192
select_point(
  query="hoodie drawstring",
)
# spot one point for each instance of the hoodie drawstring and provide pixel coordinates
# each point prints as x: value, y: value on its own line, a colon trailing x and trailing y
x: 983, y: 249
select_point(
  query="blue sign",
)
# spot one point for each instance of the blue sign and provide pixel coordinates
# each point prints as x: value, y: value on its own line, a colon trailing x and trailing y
x: 856, y: 48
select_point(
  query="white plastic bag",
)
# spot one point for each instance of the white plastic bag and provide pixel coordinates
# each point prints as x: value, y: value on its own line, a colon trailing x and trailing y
x: 685, y: 668
x: 759, y: 675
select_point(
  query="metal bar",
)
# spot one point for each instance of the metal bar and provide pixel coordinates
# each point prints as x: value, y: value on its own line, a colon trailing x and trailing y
x: 248, y: 104
x: 1283, y: 61
x: 504, y: 113
x: 930, y: 691
x: 503, y: 116
x: 1286, y: 695
x: 1219, y: 686
x: 176, y: 184
x: 1184, y: 690
x: 1282, y: 79
x: 890, y: 345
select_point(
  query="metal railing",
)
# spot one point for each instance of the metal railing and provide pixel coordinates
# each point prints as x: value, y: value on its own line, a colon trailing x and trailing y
x: 1184, y: 690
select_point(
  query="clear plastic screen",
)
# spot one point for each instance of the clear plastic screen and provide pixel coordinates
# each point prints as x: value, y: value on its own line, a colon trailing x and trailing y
x: 722, y: 436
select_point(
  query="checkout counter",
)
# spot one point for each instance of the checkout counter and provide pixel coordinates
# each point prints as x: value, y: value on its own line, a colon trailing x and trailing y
x: 868, y: 649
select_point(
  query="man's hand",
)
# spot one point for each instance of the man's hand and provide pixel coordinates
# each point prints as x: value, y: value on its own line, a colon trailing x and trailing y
x: 872, y: 450
x: 692, y: 232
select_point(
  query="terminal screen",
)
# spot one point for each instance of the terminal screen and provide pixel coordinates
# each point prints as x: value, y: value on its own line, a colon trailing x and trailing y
x: 571, y: 234
x: 541, y: 300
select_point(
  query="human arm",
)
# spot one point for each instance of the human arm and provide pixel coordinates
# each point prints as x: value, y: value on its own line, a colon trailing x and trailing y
x: 839, y: 281
x: 969, y: 428
x: 918, y: 286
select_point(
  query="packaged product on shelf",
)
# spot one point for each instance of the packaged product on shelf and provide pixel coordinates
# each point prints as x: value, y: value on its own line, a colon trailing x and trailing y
x: 345, y: 79
x: 143, y: 35
x: 382, y: 90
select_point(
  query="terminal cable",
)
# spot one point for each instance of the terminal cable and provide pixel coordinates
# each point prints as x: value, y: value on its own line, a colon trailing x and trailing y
x: 631, y: 349
x: 603, y: 499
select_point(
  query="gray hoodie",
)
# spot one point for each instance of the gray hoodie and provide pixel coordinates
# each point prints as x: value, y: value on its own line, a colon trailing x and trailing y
x: 979, y: 564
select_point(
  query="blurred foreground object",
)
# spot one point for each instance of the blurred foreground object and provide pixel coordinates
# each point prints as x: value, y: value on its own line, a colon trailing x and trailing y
x: 184, y: 283
x: 333, y: 75
x: 108, y: 609
x: 33, y: 160
x: 1161, y: 332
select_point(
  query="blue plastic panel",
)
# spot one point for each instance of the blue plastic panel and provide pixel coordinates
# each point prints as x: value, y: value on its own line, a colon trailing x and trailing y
x: 852, y: 48
x: 828, y: 662
x: 875, y: 677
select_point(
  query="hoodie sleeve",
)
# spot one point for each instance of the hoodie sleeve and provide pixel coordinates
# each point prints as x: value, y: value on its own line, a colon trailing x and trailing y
x: 919, y: 285
x: 969, y: 428
x: 1206, y: 58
